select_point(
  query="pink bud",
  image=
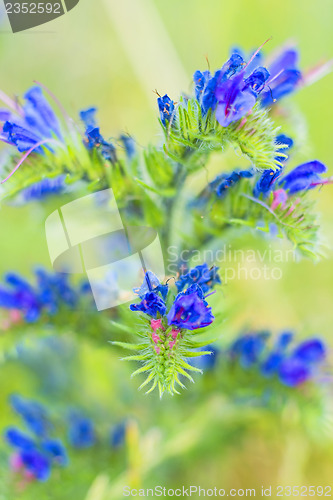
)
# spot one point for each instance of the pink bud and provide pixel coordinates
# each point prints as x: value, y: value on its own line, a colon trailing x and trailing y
x: 174, y: 333
x: 29, y: 476
x: 155, y: 324
x: 155, y: 338
x: 15, y: 316
x: 15, y: 462
x: 279, y: 198
x: 292, y: 207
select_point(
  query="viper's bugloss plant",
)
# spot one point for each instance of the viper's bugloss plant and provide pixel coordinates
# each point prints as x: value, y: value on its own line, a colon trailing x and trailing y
x: 191, y: 193
x: 292, y: 365
x: 171, y: 327
x: 38, y: 448
x: 30, y: 301
x: 35, y: 452
x: 235, y: 106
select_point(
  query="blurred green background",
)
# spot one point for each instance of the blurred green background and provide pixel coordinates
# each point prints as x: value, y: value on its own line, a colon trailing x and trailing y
x: 114, y: 54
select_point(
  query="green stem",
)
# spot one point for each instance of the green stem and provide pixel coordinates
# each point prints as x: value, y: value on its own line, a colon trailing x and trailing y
x: 171, y: 203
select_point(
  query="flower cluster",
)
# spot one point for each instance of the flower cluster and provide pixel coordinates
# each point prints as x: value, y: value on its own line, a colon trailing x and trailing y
x: 292, y: 365
x: 234, y: 89
x: 44, y: 188
x: 82, y: 434
x: 31, y: 125
x: 189, y: 310
x: 35, y: 123
x: 202, y: 275
x: 274, y: 200
x: 34, y: 128
x: 50, y: 143
x: 174, y: 319
x: 94, y: 139
x: 35, y: 452
x: 300, y: 179
x: 51, y: 291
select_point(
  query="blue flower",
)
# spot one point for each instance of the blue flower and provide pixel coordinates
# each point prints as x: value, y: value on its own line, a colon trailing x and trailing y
x: 88, y: 116
x: 117, y: 435
x: 36, y: 463
x: 44, y: 188
x: 233, y: 100
x: 151, y: 283
x: 37, y: 123
x: 284, y: 340
x: 284, y: 77
x: 51, y: 291
x: 193, y: 288
x: 255, y: 57
x: 17, y: 439
x: 81, y: 433
x: 201, y: 275
x: 280, y: 78
x: 310, y: 351
x: 39, y: 115
x: 269, y: 177
x: 249, y: 348
x: 201, y: 79
x: 56, y: 451
x: 206, y: 84
x: 166, y: 107
x: 302, y: 363
x: 35, y: 455
x: 303, y: 177
x: 234, y: 64
x: 20, y: 295
x: 274, y: 359
x: 33, y: 414
x: 190, y: 310
x: 20, y: 137
x: 294, y: 372
x: 151, y: 304
x: 291, y: 367
x: 257, y: 80
x: 272, y: 363
x: 224, y: 181
x: 266, y: 182
x: 54, y: 289
x: 94, y: 137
